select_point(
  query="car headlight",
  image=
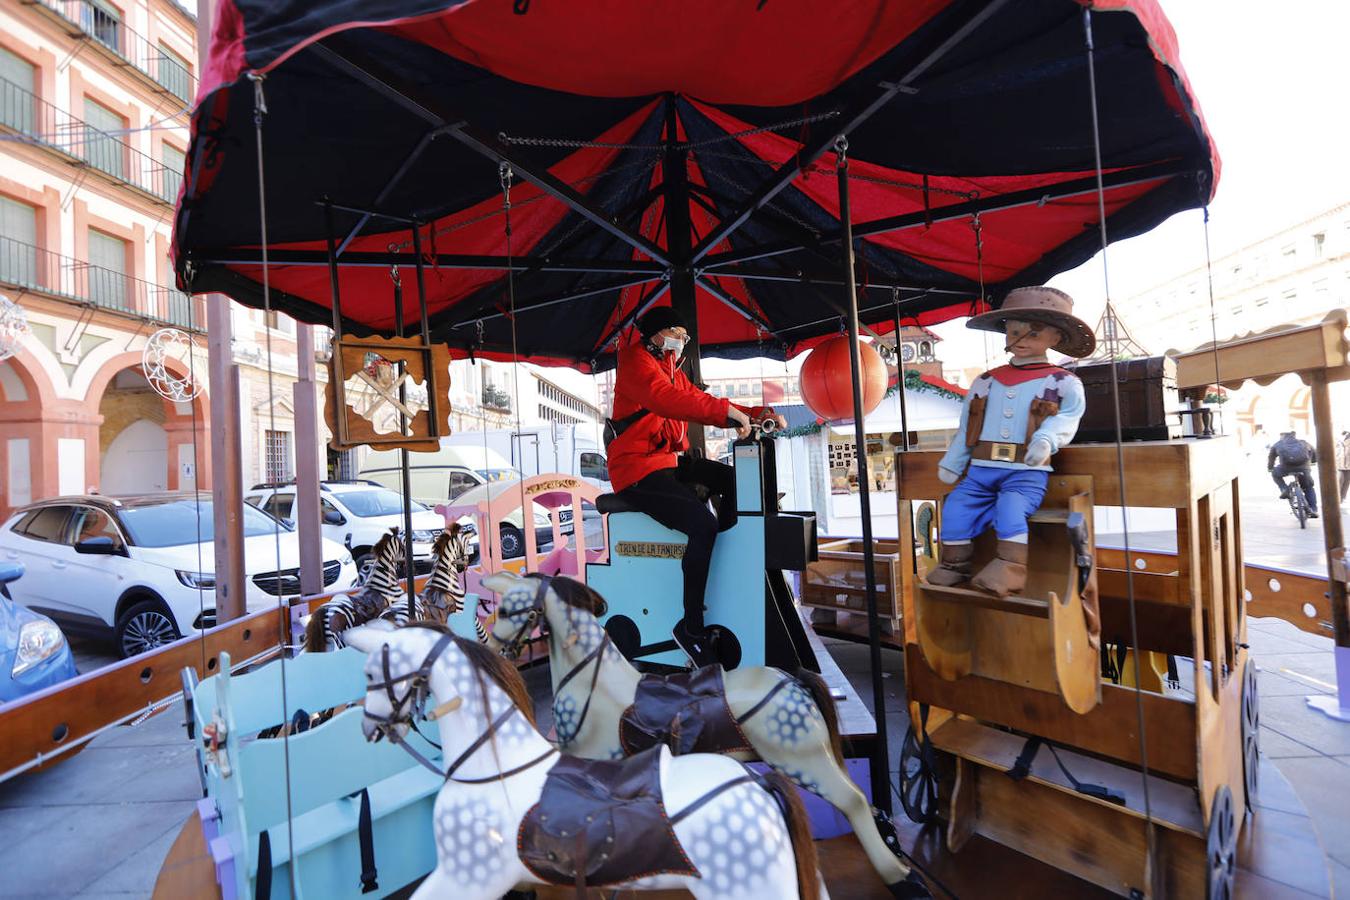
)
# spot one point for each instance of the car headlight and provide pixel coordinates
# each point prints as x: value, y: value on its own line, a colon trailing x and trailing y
x: 197, y: 580
x: 345, y: 559
x: 38, y: 640
x: 424, y: 536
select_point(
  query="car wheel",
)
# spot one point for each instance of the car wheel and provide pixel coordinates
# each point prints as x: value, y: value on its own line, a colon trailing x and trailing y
x: 513, y: 541
x: 143, y: 627
x: 365, y: 563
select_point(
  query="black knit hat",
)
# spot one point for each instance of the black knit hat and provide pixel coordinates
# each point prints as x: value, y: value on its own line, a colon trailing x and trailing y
x: 660, y: 318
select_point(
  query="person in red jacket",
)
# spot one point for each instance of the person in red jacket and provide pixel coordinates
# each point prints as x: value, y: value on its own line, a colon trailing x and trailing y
x: 653, y: 403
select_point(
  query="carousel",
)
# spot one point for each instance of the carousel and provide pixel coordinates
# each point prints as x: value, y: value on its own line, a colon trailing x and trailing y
x: 522, y: 182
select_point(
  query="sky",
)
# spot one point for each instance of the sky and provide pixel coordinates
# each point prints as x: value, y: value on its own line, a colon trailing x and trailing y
x: 1271, y: 80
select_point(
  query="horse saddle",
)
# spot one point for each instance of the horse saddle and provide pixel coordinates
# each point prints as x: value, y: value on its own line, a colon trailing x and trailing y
x: 685, y: 711
x: 601, y: 822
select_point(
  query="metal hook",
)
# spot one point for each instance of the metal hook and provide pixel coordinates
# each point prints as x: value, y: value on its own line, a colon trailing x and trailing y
x: 841, y: 149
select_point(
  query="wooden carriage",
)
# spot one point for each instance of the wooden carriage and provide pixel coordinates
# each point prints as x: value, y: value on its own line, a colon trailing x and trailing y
x: 987, y: 676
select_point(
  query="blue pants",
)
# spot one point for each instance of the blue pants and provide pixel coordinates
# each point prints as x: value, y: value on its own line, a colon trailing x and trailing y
x: 994, y: 496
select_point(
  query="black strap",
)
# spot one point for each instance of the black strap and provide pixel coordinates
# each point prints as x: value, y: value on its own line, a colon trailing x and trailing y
x: 262, y: 884
x: 741, y: 719
x: 715, y: 792
x: 366, y: 836
x: 598, y: 654
x: 1022, y: 767
x: 1173, y: 679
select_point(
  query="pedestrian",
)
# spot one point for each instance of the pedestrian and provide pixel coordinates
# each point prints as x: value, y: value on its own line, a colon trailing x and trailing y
x: 1343, y: 462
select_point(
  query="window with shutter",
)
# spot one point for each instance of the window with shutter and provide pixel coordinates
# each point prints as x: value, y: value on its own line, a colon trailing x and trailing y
x: 108, y: 270
x: 103, y: 148
x: 18, y: 92
x: 18, y: 243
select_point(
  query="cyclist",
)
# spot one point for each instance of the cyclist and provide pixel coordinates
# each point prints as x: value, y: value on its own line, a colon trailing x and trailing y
x: 1292, y: 456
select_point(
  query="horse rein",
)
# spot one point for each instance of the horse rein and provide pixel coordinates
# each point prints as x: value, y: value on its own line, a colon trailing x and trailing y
x: 511, y: 646
x: 405, y: 710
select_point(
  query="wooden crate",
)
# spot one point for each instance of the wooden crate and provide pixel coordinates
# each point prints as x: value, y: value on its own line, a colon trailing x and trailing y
x: 837, y: 579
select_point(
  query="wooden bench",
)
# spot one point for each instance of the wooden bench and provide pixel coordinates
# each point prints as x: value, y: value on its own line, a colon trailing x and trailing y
x: 257, y: 837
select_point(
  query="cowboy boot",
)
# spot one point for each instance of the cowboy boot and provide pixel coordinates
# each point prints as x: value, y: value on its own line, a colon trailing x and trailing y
x: 955, y: 567
x: 1006, y: 573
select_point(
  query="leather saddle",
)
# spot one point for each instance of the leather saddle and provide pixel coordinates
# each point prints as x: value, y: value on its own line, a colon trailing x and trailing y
x: 600, y: 823
x: 685, y: 711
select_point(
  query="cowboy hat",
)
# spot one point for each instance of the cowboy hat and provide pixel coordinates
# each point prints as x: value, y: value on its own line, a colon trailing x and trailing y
x: 1046, y: 305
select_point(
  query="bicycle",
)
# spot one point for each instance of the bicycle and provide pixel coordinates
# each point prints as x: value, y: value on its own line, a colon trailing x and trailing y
x: 1298, y: 503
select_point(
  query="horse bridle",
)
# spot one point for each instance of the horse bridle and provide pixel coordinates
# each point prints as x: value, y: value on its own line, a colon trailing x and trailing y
x: 512, y: 645
x: 405, y: 710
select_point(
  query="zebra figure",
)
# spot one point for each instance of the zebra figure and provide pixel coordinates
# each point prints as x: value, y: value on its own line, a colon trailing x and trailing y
x: 443, y: 595
x: 381, y: 597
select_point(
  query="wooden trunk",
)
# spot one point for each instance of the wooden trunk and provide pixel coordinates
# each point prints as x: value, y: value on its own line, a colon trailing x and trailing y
x: 837, y: 579
x: 1148, y: 400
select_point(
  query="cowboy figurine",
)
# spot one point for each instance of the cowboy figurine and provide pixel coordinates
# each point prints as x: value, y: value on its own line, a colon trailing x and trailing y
x: 1013, y: 420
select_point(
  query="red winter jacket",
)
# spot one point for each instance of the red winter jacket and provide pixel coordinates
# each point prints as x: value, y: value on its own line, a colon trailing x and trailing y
x: 659, y: 386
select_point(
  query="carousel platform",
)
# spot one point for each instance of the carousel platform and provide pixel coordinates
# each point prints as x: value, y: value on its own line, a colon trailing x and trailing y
x: 1281, y: 853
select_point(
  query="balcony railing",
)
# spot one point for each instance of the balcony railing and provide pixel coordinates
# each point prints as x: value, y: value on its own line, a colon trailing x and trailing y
x: 105, y: 27
x: 25, y: 266
x: 50, y: 126
x: 496, y: 398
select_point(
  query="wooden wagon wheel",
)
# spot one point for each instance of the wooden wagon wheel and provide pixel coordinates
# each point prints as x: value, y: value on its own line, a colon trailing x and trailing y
x: 1251, y: 732
x: 918, y: 779
x: 1221, y: 845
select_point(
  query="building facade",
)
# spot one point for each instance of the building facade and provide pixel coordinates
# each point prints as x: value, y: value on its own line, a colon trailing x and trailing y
x: 1294, y: 276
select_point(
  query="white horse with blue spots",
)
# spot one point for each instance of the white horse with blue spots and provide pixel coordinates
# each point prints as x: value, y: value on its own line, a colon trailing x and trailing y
x: 788, y: 721
x: 735, y: 836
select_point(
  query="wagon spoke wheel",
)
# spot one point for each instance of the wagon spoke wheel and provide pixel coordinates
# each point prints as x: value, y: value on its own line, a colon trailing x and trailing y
x: 1222, y: 846
x: 918, y: 780
x: 1251, y: 732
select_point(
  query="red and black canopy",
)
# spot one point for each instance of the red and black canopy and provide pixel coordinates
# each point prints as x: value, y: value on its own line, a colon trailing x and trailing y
x: 682, y: 147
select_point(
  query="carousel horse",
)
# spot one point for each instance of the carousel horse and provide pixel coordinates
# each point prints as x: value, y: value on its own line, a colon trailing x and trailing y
x: 514, y: 811
x: 788, y: 721
x: 381, y: 597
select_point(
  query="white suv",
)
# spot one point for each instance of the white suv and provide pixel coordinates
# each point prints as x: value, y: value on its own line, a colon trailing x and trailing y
x: 142, y: 569
x: 356, y: 514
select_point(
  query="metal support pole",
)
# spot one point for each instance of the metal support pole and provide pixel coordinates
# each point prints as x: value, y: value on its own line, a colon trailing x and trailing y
x: 683, y: 296
x: 1338, y: 705
x: 307, y: 468
x: 900, y: 387
x: 880, y: 768
x: 403, y: 462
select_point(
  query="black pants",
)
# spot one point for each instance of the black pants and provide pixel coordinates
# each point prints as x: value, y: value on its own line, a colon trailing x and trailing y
x: 1345, y: 482
x: 670, y: 497
x: 1304, y: 477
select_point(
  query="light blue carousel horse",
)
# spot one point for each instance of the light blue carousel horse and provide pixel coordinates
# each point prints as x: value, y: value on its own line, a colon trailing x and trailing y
x: 732, y: 834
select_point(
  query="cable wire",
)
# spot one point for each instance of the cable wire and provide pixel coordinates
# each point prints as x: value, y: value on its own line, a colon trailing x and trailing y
x: 259, y: 111
x: 1120, y: 448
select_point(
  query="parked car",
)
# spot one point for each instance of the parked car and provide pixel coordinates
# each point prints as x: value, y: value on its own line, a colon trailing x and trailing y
x: 356, y: 514
x: 34, y: 653
x: 141, y: 569
x: 513, y: 537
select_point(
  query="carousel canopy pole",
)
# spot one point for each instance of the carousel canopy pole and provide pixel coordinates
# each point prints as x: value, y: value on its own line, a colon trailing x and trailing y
x: 1337, y: 706
x: 900, y: 379
x: 683, y: 297
x: 403, y: 460
x: 880, y: 768
x: 308, y: 469
x: 227, y: 482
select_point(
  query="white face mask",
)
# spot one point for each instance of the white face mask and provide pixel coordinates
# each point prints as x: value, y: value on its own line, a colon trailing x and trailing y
x: 673, y: 344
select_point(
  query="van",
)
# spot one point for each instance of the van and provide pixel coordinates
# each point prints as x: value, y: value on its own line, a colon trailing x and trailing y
x: 439, y: 476
x: 543, y: 449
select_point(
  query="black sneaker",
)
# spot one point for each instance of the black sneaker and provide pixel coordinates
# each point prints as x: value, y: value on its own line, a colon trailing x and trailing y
x: 699, y: 646
x: 1284, y: 493
x: 1312, y: 513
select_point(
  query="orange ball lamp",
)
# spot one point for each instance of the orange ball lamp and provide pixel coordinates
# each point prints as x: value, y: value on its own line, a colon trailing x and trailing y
x: 827, y: 381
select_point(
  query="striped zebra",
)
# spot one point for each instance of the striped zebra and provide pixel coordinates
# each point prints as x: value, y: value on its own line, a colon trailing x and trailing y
x: 443, y: 595
x: 381, y: 597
